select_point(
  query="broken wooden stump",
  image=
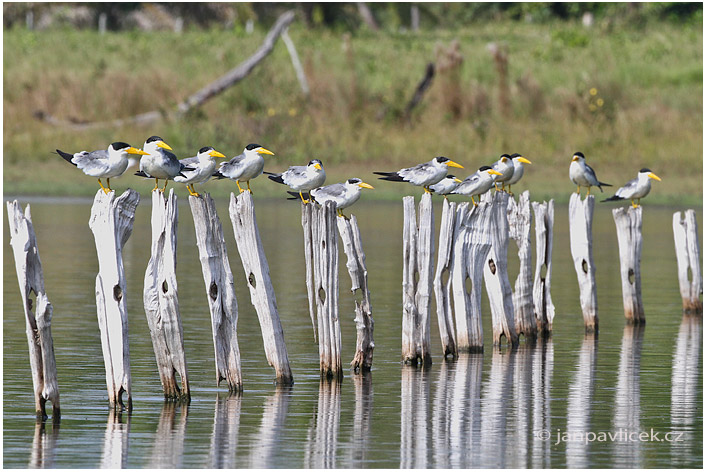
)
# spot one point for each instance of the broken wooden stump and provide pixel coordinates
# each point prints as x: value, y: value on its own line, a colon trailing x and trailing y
x: 161, y: 299
x: 262, y: 294
x: 38, y: 317
x: 581, y: 237
x: 418, y: 242
x: 686, y: 244
x: 628, y: 224
x: 220, y: 290
x: 520, y: 223
x: 442, y: 280
x: 541, y: 292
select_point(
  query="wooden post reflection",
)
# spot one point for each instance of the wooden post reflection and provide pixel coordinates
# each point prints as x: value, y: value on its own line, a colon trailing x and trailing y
x: 414, y: 417
x: 115, y: 441
x: 43, y: 451
x: 578, y: 418
x: 226, y: 425
x: 362, y: 419
x: 264, y: 445
x: 495, y: 403
x: 626, y: 415
x: 168, y: 446
x: 322, y: 437
x: 542, y: 368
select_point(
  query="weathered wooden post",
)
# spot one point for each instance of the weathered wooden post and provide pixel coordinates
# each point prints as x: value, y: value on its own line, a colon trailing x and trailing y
x: 416, y: 293
x: 628, y: 223
x: 497, y: 282
x: 161, y: 299
x: 257, y: 273
x: 541, y: 293
x: 38, y: 322
x: 111, y: 223
x: 307, y: 210
x: 581, y: 237
x: 520, y: 222
x: 686, y: 244
x: 442, y: 280
x: 353, y: 247
x: 220, y: 290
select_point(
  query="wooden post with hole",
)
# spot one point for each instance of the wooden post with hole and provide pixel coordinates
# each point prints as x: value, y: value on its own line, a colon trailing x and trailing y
x: 38, y: 322
x: 111, y: 223
x: 541, y: 292
x: 581, y: 238
x: 262, y: 294
x: 520, y: 223
x: 686, y: 244
x: 161, y: 298
x: 628, y: 223
x: 442, y: 280
x: 220, y: 290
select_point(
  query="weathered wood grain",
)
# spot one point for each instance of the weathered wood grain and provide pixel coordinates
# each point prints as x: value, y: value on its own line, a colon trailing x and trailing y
x: 541, y: 292
x: 520, y: 223
x: 442, y: 279
x: 581, y: 238
x: 686, y: 244
x: 628, y: 224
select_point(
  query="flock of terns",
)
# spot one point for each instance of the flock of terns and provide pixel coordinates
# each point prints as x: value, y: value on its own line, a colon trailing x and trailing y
x: 159, y: 163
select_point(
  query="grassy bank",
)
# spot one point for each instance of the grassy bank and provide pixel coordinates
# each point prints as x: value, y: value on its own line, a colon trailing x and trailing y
x: 626, y: 98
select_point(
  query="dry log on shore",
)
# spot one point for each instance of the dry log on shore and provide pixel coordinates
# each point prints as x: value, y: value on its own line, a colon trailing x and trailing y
x: 628, y: 224
x: 442, y: 280
x: 220, y: 290
x: 262, y: 294
x: 581, y: 236
x: 161, y: 298
x: 541, y: 293
x: 686, y: 244
x: 37, y: 318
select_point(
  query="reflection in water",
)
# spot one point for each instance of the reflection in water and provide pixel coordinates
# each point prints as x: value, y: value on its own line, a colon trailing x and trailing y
x: 579, y: 407
x: 357, y: 452
x: 43, y: 447
x: 542, y: 369
x: 322, y: 437
x: 495, y: 403
x: 115, y: 442
x: 626, y: 416
x: 264, y: 446
x: 685, y: 384
x: 224, y: 439
x: 168, y: 446
x: 414, y: 402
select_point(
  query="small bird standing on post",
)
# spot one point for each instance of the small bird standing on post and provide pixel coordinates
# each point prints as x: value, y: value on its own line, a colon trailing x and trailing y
x: 636, y: 188
x: 446, y: 185
x: 423, y: 175
x: 583, y: 175
x: 477, y: 183
x: 301, y: 178
x: 244, y: 167
x: 159, y: 163
x: 203, y: 164
x: 519, y: 170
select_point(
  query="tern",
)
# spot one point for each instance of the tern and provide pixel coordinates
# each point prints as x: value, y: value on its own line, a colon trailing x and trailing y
x: 519, y: 170
x: 245, y: 166
x: 583, y: 175
x: 343, y: 194
x: 636, y: 189
x: 423, y: 175
x: 301, y: 178
x: 159, y: 163
x: 104, y: 163
x: 478, y: 183
x: 446, y: 185
x: 203, y: 164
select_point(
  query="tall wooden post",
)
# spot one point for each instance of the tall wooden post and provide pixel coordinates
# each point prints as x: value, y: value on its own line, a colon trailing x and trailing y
x: 111, y: 223
x: 38, y: 322
x: 262, y: 294
x: 442, y: 280
x: 628, y: 223
x: 220, y: 290
x: 581, y: 236
x: 541, y: 293
x: 307, y: 210
x: 520, y: 222
x: 161, y: 298
x: 686, y: 244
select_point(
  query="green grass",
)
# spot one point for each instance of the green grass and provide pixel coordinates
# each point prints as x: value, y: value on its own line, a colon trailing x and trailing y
x: 649, y: 80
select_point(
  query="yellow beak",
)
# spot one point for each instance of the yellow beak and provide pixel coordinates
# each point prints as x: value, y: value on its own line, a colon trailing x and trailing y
x: 317, y: 166
x: 164, y: 145
x: 262, y: 150
x: 457, y: 180
x: 453, y: 164
x: 523, y: 160
x: 652, y: 175
x: 215, y: 153
x: 494, y: 172
x: 133, y: 150
x: 364, y: 185
x: 575, y: 158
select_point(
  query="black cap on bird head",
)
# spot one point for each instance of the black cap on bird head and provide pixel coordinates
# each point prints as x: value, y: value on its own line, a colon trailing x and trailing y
x: 252, y: 146
x: 152, y: 139
x: 354, y: 181
x: 205, y: 149
x: 450, y: 176
x: 315, y: 161
x: 517, y: 154
x: 441, y: 159
x: 484, y: 168
x: 644, y: 169
x: 119, y: 145
x: 580, y: 154
x: 505, y: 157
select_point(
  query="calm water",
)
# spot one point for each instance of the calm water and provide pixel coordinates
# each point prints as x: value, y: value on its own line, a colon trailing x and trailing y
x: 489, y: 410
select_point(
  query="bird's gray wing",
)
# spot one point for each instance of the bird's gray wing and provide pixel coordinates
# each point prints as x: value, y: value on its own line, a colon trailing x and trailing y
x: 626, y: 190
x: 418, y: 171
x: 329, y: 191
x: 91, y: 161
x: 232, y: 165
x: 190, y: 161
x: 591, y: 176
x: 295, y: 174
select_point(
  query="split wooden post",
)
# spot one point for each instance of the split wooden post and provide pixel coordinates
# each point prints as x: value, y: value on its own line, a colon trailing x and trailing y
x: 220, y: 290
x: 161, y: 298
x: 442, y: 280
x: 111, y: 223
x: 628, y: 223
x: 416, y: 294
x: 357, y: 269
x: 497, y: 282
x: 686, y: 244
x: 38, y: 322
x: 541, y: 293
x: 581, y: 237
x: 262, y: 294
x: 307, y: 210
x: 520, y: 223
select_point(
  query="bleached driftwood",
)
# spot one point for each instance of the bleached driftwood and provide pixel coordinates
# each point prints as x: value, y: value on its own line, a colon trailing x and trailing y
x: 442, y: 280
x: 581, y: 237
x: 322, y: 437
x: 520, y: 223
x: 416, y: 294
x: 628, y: 223
x: 262, y: 294
x: 307, y: 210
x: 296, y: 63
x: 111, y: 223
x: 686, y: 244
x: 37, y: 318
x: 220, y: 290
x: 169, y: 439
x: 161, y: 298
x: 116, y: 440
x: 497, y: 282
x: 541, y: 293
x: 357, y: 269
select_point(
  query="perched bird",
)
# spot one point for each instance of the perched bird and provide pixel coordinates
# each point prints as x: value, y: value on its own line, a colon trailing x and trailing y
x: 636, y: 189
x: 518, y: 171
x: 301, y: 178
x: 446, y: 185
x: 343, y: 194
x: 478, y: 183
x: 103, y: 163
x: 583, y: 175
x: 506, y: 166
x: 204, y: 163
x: 159, y: 163
x: 423, y: 175
x: 245, y: 166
